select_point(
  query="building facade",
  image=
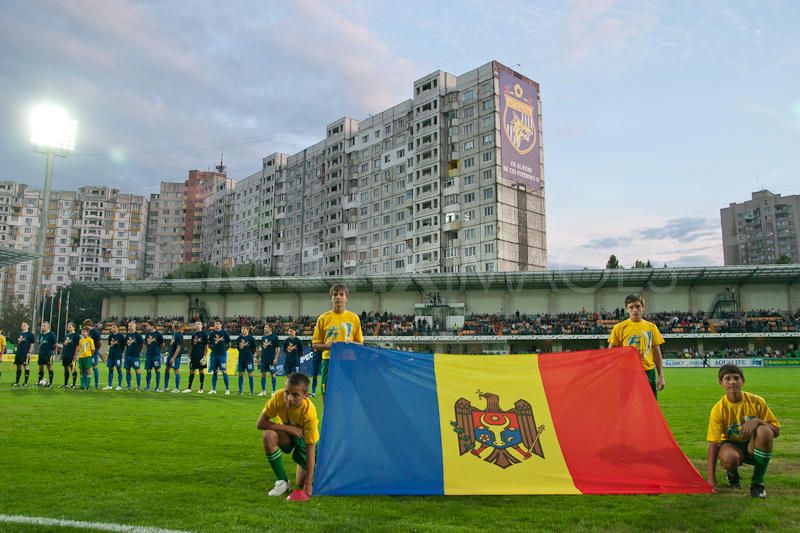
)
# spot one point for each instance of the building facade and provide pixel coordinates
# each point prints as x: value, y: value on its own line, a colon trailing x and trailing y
x: 761, y: 230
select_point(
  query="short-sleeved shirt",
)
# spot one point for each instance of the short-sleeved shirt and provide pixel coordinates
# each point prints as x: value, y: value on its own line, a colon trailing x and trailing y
x: 70, y: 345
x: 177, y: 344
x: 337, y: 327
x: 247, y: 345
x: 24, y: 343
x: 219, y: 342
x: 154, y: 341
x: 85, y: 348
x: 642, y: 335
x: 2, y: 344
x: 199, y: 344
x: 293, y: 348
x: 304, y: 417
x: 116, y: 341
x: 47, y: 343
x: 727, y: 418
x: 269, y: 343
x: 94, y: 334
x: 134, y: 341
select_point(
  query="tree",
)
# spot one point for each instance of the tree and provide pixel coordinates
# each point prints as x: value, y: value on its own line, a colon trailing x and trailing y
x: 784, y: 260
x: 83, y: 303
x: 249, y: 270
x: 613, y: 262
x: 14, y: 314
x: 641, y: 264
x: 197, y: 271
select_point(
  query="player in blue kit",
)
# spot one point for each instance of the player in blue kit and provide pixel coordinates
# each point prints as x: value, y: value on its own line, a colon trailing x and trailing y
x: 116, y: 343
x: 197, y: 356
x: 71, y: 340
x: 269, y: 348
x: 152, y: 358
x: 47, y: 345
x: 247, y: 348
x: 219, y: 340
x: 174, y: 357
x: 94, y: 334
x: 134, y: 342
x: 22, y: 357
x: 293, y: 348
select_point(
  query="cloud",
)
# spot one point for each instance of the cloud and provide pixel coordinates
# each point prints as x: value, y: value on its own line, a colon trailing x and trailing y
x: 687, y: 229
x: 608, y: 242
x: 694, y: 260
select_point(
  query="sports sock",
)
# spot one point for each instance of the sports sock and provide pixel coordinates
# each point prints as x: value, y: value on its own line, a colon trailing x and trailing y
x: 96, y: 376
x: 74, y: 377
x: 214, y: 381
x: 158, y: 378
x: 202, y: 379
x: 66, y: 377
x: 314, y: 385
x: 138, y: 380
x: 177, y: 381
x: 149, y: 378
x: 128, y: 379
x: 119, y: 377
x: 276, y: 462
x: 166, y: 379
x: 274, y: 382
x: 250, y: 379
x: 191, y: 380
x: 264, y: 383
x: 241, y: 383
x: 27, y: 375
x: 52, y: 375
x: 41, y: 374
x: 760, y: 462
x: 110, y: 376
x: 225, y: 379
x: 19, y: 374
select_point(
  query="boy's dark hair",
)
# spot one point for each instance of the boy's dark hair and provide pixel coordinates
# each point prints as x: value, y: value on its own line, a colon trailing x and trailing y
x: 730, y: 369
x: 298, y: 378
x: 87, y: 322
x: 340, y: 287
x: 629, y: 299
x: 85, y: 328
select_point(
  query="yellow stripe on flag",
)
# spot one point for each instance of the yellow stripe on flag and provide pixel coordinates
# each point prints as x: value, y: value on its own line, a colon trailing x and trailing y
x: 503, y: 416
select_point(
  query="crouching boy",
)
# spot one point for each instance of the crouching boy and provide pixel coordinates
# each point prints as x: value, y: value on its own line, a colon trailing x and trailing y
x: 741, y: 429
x: 294, y: 432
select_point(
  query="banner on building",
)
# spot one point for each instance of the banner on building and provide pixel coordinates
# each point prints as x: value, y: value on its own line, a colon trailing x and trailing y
x: 572, y: 423
x: 519, y: 125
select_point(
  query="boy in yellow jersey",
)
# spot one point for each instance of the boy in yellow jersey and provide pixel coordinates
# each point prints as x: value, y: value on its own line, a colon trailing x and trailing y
x: 295, y: 432
x: 85, y: 353
x: 741, y: 429
x: 336, y: 325
x: 645, y: 337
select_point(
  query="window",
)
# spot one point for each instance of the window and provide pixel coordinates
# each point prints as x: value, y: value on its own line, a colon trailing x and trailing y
x: 469, y: 234
x: 469, y: 162
x: 469, y: 251
x: 488, y: 211
x: 399, y: 248
x: 488, y: 267
x: 468, y: 145
x: 488, y: 138
x: 468, y: 112
x: 469, y: 197
x: 486, y: 104
x: 450, y: 199
x: 488, y: 248
x: 469, y: 180
x: 487, y: 156
x: 488, y: 230
x: 488, y: 193
x: 466, y: 129
x: 467, y: 95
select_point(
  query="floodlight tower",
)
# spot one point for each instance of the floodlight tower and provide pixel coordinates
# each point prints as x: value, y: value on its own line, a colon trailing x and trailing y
x: 53, y: 135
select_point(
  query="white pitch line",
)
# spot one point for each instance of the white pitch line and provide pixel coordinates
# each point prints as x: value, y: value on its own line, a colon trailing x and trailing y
x: 79, y: 524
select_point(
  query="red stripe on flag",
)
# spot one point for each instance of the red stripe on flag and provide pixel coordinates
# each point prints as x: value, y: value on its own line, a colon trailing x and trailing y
x: 611, y: 431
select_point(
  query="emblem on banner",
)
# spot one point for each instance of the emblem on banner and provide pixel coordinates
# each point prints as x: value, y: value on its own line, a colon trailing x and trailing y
x: 512, y: 436
x: 519, y: 122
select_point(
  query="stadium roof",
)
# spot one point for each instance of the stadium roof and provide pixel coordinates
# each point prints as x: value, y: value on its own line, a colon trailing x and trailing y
x: 654, y: 278
x: 12, y: 256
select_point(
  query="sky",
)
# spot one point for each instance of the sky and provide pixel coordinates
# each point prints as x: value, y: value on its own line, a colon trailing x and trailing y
x: 655, y: 114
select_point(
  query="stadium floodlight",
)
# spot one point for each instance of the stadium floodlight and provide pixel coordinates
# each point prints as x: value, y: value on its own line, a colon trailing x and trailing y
x: 53, y: 134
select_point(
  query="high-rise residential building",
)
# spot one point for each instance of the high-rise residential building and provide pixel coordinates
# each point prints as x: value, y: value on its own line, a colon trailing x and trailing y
x: 448, y: 181
x: 92, y: 234
x: 218, y: 212
x: 246, y: 238
x: 761, y: 230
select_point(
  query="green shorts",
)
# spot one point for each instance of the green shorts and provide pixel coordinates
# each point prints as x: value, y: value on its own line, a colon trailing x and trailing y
x: 747, y: 456
x: 323, y: 374
x: 85, y: 363
x: 297, y: 449
x: 651, y: 378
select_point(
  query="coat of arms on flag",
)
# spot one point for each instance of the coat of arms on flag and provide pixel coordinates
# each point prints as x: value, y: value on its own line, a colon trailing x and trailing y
x: 512, y: 435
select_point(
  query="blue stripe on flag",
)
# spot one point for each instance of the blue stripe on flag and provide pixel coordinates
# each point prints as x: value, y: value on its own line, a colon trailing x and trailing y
x: 380, y: 427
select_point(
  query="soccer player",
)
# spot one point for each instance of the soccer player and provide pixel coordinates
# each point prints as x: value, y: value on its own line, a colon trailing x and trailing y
x: 644, y: 336
x: 316, y: 363
x: 295, y: 432
x: 741, y: 429
x: 219, y: 357
x: 133, y: 342
x: 270, y: 350
x: 152, y: 358
x: 336, y: 325
x: 47, y: 345
x: 247, y: 347
x: 174, y: 357
x: 293, y: 347
x: 22, y: 357
x: 197, y: 357
x: 71, y: 340
x: 116, y: 342
x: 2, y: 349
x: 94, y: 333
x: 86, y: 351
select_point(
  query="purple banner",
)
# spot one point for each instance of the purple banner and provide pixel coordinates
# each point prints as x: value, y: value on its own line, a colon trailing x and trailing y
x: 519, y: 122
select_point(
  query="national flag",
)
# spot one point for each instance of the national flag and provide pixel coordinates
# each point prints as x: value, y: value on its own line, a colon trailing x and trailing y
x: 570, y: 423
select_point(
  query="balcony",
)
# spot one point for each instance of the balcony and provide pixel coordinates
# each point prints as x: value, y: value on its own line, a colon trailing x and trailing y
x: 351, y: 202
x: 453, y: 226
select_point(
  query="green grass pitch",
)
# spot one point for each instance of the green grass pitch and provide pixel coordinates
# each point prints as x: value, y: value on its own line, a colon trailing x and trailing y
x: 195, y: 463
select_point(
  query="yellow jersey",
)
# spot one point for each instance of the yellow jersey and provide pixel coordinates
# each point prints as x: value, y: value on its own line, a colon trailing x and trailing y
x: 2, y: 344
x: 642, y: 335
x: 726, y: 419
x: 304, y: 417
x: 85, y: 347
x: 337, y: 327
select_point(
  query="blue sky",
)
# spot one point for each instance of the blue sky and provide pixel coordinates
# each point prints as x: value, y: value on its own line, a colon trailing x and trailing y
x: 656, y: 114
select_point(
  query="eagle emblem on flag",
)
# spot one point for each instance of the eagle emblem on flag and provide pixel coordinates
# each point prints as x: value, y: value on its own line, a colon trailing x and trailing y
x: 512, y: 436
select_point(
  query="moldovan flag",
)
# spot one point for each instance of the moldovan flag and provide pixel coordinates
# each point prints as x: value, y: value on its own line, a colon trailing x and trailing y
x: 401, y: 423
